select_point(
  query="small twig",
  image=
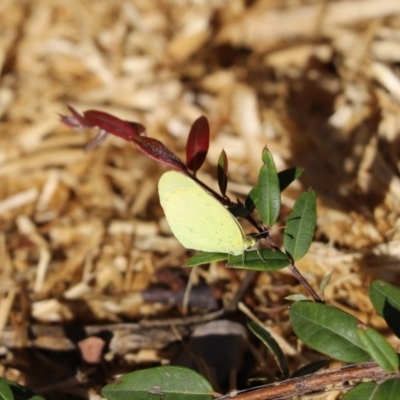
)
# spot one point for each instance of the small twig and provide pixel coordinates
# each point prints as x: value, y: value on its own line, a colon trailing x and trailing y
x: 185, y: 305
x: 303, y: 281
x: 317, y: 382
x: 244, y: 284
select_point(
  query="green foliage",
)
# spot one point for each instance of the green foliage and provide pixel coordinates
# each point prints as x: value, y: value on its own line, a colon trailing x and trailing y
x: 363, y: 391
x: 167, y: 383
x: 271, y: 343
x: 5, y: 390
x: 328, y: 330
x: 268, y: 201
x: 300, y: 226
x: 260, y: 260
x: 13, y: 391
x: 311, y: 368
x: 379, y: 349
x: 386, y: 300
x: 324, y: 284
x: 206, y: 258
x: 388, y: 390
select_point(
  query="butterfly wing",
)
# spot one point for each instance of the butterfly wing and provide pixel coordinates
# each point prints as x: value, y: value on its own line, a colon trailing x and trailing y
x: 197, y: 219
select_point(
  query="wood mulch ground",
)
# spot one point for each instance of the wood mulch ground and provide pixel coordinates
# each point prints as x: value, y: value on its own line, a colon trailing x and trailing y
x: 84, y: 245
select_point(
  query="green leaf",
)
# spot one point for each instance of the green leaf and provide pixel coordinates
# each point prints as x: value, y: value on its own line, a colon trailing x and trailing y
x: 257, y: 260
x: 324, y: 283
x: 5, y: 391
x: 18, y: 392
x: 251, y: 200
x: 300, y: 226
x: 328, y: 330
x: 206, y: 258
x: 311, y: 368
x: 297, y: 297
x: 271, y: 343
x: 363, y: 391
x: 379, y: 349
x: 388, y: 390
x: 260, y: 260
x: 166, y: 383
x: 287, y: 176
x: 386, y: 300
x: 268, y: 201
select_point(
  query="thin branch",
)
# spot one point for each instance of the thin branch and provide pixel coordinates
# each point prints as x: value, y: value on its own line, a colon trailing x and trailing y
x: 314, y: 383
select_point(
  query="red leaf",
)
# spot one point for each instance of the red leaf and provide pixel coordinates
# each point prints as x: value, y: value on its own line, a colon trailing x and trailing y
x: 197, y: 143
x: 156, y: 150
x: 127, y: 130
x: 74, y: 121
x: 140, y: 129
x: 111, y: 124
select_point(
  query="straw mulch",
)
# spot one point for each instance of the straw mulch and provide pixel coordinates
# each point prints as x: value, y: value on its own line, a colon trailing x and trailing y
x: 83, y: 239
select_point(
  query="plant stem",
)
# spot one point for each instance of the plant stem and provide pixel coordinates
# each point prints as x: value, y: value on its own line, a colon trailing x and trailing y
x: 303, y: 281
